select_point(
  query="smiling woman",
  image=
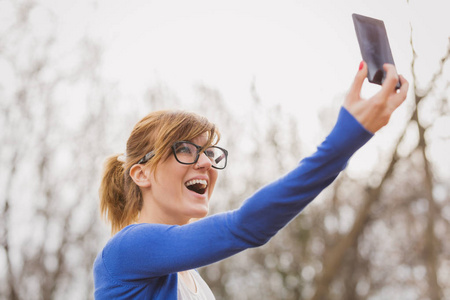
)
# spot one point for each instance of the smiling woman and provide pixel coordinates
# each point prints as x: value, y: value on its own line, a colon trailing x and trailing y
x: 166, y: 180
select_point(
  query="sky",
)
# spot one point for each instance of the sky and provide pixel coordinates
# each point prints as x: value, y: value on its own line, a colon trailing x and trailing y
x: 287, y: 47
x: 299, y: 54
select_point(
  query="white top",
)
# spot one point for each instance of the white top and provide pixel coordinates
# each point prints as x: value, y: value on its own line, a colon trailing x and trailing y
x: 203, y: 291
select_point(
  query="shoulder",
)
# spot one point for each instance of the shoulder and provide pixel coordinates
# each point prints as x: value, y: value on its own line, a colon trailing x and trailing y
x: 135, y: 234
x: 135, y: 247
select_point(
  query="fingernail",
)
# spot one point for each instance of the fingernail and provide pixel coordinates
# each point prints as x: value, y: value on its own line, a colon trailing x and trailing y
x: 361, y: 65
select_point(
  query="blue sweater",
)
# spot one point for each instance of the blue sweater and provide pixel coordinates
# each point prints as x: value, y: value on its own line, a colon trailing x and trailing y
x: 142, y: 260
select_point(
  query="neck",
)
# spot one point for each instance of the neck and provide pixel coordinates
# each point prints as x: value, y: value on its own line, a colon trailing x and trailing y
x: 154, y: 215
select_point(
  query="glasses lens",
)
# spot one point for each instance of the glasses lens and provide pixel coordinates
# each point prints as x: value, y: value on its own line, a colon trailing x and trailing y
x: 185, y: 153
x: 188, y: 153
x: 218, y: 157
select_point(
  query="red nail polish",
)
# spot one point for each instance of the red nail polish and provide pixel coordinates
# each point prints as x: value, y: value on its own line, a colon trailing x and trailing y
x: 361, y: 65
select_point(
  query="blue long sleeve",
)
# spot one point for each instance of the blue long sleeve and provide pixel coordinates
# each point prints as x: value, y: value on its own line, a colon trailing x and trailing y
x: 142, y: 259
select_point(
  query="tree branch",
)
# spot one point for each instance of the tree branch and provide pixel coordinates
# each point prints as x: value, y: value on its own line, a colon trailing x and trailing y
x: 5, y: 217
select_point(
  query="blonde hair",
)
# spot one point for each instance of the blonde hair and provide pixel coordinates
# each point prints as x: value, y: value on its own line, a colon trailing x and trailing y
x: 120, y: 198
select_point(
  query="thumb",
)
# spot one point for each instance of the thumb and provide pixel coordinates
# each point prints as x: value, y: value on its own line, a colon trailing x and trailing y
x: 355, y: 89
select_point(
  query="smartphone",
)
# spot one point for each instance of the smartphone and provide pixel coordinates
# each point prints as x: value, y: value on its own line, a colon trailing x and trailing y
x: 374, y: 46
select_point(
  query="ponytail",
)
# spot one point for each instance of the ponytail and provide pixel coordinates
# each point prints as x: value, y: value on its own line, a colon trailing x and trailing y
x: 113, y: 205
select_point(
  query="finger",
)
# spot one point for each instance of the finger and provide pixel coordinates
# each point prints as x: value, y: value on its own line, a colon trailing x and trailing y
x: 390, y: 82
x: 355, y: 89
x: 401, y: 93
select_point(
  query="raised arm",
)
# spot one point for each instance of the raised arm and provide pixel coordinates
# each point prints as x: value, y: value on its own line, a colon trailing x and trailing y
x: 144, y: 251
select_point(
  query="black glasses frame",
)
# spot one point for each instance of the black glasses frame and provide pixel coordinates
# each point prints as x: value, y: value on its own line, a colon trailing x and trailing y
x: 199, y: 148
x: 149, y: 155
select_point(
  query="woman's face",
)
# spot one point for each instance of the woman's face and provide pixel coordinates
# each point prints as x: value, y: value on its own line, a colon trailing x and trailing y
x: 170, y: 199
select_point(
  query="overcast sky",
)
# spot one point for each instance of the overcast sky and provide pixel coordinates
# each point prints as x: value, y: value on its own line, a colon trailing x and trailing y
x: 300, y: 54
x: 297, y: 52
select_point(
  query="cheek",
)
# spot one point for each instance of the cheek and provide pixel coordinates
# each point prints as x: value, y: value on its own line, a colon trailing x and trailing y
x: 213, y: 178
x: 169, y: 178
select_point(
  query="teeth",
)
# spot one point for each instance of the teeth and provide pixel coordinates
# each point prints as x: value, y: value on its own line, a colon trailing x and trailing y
x: 197, y: 181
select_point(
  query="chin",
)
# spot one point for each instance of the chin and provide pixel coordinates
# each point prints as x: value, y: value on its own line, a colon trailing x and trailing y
x: 200, y: 213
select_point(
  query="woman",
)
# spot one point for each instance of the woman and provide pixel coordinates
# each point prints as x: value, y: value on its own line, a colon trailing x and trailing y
x: 168, y: 176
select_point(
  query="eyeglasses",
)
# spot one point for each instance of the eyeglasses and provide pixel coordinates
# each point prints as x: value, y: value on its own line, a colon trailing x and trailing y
x: 188, y: 153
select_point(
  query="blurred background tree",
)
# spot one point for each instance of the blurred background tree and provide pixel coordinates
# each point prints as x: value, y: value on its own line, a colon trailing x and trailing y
x: 53, y: 116
x: 379, y: 232
x: 396, y: 243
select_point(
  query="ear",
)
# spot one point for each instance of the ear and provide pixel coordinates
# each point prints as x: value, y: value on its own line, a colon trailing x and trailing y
x: 140, y: 176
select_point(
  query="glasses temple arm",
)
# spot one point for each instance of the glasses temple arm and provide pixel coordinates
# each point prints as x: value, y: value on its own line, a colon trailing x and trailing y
x: 146, y: 158
x: 217, y: 160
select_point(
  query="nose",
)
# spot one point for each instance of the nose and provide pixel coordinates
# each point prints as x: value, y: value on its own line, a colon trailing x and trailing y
x: 203, y: 161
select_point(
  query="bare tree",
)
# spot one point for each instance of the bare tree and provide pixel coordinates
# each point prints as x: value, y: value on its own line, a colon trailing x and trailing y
x: 48, y: 218
x: 425, y: 248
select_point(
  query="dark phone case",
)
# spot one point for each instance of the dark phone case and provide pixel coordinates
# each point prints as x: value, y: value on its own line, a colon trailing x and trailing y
x: 374, y: 45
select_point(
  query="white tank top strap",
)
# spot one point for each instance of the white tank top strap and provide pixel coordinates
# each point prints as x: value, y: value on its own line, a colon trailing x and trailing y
x: 203, y: 291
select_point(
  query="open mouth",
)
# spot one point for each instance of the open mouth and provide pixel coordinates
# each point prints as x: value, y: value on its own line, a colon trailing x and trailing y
x: 197, y: 185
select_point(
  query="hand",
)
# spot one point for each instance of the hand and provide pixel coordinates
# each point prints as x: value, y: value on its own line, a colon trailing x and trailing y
x: 375, y: 112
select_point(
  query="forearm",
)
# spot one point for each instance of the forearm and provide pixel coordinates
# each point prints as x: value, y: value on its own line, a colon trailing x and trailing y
x: 273, y: 206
